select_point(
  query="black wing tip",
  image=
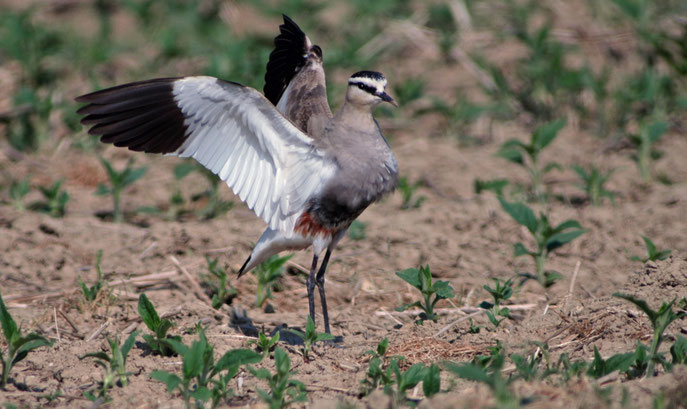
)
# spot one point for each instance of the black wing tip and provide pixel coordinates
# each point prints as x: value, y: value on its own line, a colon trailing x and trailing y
x: 289, y: 54
x: 243, y: 267
x: 142, y: 115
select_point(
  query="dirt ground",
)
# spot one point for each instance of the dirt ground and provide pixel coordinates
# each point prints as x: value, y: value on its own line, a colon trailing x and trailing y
x: 466, y: 239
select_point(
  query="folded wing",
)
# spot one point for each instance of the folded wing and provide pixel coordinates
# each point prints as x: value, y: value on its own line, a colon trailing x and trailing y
x: 230, y: 129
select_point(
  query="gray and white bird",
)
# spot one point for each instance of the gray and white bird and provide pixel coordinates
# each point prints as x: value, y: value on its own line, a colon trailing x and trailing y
x: 304, y: 171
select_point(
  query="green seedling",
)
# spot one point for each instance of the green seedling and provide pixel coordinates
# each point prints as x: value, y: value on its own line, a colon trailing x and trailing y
x: 114, y: 365
x: 376, y: 374
x: 310, y: 337
x: 659, y: 321
x: 91, y: 293
x: 203, y: 379
x: 18, y: 191
x: 529, y: 368
x: 265, y: 344
x: 32, y: 123
x: 678, y: 351
x: 408, y: 379
x: 490, y: 376
x: 649, y: 134
x: 432, y: 292
x: 593, y: 181
x: 119, y: 180
x: 495, y: 185
x: 500, y: 292
x: 652, y: 253
x: 18, y: 345
x: 407, y: 190
x: 55, y: 200
x: 568, y: 369
x: 176, y: 201
x: 548, y: 238
x: 158, y: 326
x: 218, y: 284
x: 474, y: 329
x: 267, y: 274
x: 601, y: 367
x: 527, y: 155
x: 215, y: 206
x: 284, y: 391
x: 357, y: 229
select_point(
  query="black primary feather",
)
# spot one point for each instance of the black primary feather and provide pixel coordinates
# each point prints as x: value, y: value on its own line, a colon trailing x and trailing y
x: 288, y: 57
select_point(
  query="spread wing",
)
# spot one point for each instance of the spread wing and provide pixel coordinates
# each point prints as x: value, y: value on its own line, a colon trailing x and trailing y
x: 295, y: 82
x: 230, y: 129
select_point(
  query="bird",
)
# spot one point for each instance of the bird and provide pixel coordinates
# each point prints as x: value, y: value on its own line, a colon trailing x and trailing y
x: 307, y: 172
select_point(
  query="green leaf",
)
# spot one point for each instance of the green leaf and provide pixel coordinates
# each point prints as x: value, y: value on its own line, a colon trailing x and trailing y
x: 382, y: 347
x: 568, y: 224
x: 133, y: 175
x: 678, y: 351
x: 519, y: 249
x: 650, y: 246
x: 9, y: 326
x: 202, y: 394
x: 443, y: 289
x: 236, y: 357
x: 282, y: 361
x: 183, y: 169
x: 559, y: 239
x: 467, y: 371
x: 655, y: 130
x: 29, y: 343
x: 147, y: 312
x: 169, y: 379
x: 521, y: 214
x: 411, y: 276
x: 545, y: 134
x: 324, y: 337
x: 641, y: 304
x: 412, y: 376
x: 193, y: 360
x: 410, y: 305
x: 98, y: 355
x: 431, y: 384
x: 129, y: 343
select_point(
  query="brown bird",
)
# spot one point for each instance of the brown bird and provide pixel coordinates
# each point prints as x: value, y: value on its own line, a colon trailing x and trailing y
x: 309, y: 174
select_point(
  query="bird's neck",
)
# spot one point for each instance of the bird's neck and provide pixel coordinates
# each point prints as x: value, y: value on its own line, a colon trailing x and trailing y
x: 356, y: 116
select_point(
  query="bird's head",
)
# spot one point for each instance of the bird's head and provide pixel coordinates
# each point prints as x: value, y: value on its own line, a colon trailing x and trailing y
x: 367, y: 88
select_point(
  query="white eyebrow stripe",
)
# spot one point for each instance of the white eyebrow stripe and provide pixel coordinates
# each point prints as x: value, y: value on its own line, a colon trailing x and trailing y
x: 378, y: 85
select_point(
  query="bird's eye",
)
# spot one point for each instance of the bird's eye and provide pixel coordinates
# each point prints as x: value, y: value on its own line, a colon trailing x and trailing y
x: 361, y: 86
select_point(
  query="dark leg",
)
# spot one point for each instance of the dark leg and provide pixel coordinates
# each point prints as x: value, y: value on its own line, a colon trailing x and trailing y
x: 310, y: 284
x: 320, y: 286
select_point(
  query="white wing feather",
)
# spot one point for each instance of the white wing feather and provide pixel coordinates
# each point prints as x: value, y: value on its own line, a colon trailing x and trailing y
x: 238, y: 134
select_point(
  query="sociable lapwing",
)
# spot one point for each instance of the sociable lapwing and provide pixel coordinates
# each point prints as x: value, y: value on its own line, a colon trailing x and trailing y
x: 307, y: 173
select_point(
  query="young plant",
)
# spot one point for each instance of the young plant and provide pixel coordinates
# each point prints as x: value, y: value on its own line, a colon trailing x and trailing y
x: 18, y: 345
x: 495, y: 185
x: 18, y: 191
x: 55, y: 200
x: 652, y: 253
x: 527, y: 155
x: 593, y: 184
x: 267, y: 274
x: 501, y: 292
x: 407, y: 190
x: 310, y: 337
x: 376, y: 374
x: 548, y: 238
x: 649, y: 134
x: 264, y: 344
x: 489, y: 375
x: 659, y: 321
x: 177, y: 201
x: 119, y: 180
x: 159, y: 327
x: 220, y: 293
x: 113, y: 364
x: 91, y: 293
x: 408, y: 379
x: 431, y: 292
x: 601, y: 367
x: 284, y: 391
x: 203, y: 379
x: 678, y: 351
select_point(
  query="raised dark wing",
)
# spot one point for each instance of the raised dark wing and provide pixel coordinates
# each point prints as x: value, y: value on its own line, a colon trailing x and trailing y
x: 295, y: 82
x: 230, y: 129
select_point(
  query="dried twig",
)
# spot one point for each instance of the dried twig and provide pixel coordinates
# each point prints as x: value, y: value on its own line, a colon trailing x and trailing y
x: 196, y: 287
x: 98, y: 331
x: 572, y: 287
